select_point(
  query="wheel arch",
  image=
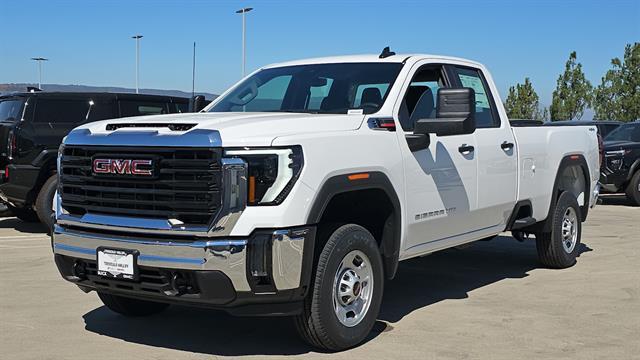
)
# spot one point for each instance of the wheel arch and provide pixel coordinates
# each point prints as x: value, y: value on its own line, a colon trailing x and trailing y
x: 340, y: 189
x: 569, y: 163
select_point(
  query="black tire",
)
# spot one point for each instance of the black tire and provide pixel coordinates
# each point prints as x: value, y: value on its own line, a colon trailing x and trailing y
x: 131, y: 307
x: 318, y: 324
x: 44, y: 201
x: 24, y: 214
x: 633, y: 189
x: 551, y: 250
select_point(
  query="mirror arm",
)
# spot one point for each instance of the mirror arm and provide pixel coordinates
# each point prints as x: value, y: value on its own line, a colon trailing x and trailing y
x: 418, y: 142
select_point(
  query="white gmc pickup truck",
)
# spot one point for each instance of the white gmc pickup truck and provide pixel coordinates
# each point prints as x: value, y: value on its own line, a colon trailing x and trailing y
x: 298, y: 191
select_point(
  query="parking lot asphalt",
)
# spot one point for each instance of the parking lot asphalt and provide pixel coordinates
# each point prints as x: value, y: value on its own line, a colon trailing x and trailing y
x: 490, y: 300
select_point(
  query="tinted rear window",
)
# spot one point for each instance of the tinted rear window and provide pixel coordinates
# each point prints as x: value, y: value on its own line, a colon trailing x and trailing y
x: 61, y: 110
x: 11, y: 110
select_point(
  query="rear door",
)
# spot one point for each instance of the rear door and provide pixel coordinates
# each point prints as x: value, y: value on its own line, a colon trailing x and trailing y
x: 495, y: 151
x: 55, y: 116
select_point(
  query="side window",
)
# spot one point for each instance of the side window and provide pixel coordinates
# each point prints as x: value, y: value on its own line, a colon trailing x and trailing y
x: 102, y: 110
x: 269, y: 97
x: 179, y: 107
x: 140, y: 108
x: 372, y: 93
x: 61, y: 110
x: 318, y: 93
x: 420, y: 99
x: 486, y: 115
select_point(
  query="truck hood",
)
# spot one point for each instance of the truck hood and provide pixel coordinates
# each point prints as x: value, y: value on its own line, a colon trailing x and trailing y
x: 236, y: 129
x: 620, y: 145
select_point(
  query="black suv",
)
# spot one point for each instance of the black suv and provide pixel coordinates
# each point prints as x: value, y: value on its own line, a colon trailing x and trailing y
x: 32, y: 126
x: 621, y: 167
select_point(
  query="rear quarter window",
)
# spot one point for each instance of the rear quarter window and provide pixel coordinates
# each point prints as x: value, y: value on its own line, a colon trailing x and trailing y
x: 486, y: 116
x: 11, y: 109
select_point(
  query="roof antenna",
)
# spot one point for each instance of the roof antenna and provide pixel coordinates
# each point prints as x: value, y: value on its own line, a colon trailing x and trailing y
x: 386, y: 52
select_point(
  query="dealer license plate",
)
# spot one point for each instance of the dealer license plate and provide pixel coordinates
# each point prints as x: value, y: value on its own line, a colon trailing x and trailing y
x: 115, y: 263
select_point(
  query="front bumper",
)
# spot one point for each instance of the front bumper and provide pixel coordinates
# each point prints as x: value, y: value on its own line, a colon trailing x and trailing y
x: 270, y: 266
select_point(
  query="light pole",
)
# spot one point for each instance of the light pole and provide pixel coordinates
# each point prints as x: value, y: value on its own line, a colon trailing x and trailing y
x: 137, y: 37
x: 243, y: 11
x: 39, y: 60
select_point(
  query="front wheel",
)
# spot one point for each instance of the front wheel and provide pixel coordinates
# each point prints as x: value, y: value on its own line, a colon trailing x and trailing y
x: 560, y: 247
x: 345, y: 299
x: 44, y: 201
x: 633, y: 189
x: 131, y: 307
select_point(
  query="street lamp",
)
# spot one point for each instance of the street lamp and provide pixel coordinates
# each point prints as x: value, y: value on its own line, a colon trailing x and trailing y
x: 39, y: 60
x: 243, y: 11
x: 137, y: 37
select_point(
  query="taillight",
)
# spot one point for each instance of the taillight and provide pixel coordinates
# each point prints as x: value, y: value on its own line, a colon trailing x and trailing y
x: 601, y: 149
x: 6, y: 173
x: 11, y: 145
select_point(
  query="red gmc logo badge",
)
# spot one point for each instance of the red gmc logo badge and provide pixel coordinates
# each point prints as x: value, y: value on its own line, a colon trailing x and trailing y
x: 122, y: 167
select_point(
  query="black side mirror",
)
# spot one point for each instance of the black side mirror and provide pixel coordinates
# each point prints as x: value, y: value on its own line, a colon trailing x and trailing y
x: 197, y: 103
x: 455, y: 114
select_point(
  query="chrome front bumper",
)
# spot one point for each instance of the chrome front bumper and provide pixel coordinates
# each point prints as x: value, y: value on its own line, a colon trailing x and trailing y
x: 595, y: 194
x: 229, y: 256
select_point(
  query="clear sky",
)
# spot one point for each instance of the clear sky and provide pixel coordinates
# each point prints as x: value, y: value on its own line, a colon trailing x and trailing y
x: 88, y: 42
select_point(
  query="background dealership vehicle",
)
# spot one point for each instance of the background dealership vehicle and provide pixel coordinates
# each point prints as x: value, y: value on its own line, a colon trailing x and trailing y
x: 621, y: 167
x: 32, y: 126
x: 299, y: 190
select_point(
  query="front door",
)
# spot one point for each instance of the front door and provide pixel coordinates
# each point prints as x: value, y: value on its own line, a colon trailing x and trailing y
x: 441, y: 187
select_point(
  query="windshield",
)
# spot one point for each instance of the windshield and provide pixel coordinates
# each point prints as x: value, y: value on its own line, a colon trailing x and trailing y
x: 315, y: 88
x: 626, y: 132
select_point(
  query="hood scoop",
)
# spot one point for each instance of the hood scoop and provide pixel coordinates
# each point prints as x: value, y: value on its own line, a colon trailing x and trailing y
x: 172, y: 127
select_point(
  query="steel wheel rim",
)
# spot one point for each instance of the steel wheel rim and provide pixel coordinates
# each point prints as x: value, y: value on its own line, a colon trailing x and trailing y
x: 569, y: 230
x: 353, y: 288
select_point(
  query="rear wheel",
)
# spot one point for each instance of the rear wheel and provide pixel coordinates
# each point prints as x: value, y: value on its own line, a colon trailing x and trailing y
x: 44, y: 201
x: 131, y: 307
x: 342, y: 306
x: 24, y: 214
x: 633, y: 189
x: 559, y: 248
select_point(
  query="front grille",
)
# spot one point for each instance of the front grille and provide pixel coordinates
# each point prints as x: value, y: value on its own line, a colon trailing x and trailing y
x: 185, y: 185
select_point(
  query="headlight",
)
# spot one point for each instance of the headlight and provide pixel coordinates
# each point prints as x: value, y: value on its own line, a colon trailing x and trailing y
x: 272, y: 172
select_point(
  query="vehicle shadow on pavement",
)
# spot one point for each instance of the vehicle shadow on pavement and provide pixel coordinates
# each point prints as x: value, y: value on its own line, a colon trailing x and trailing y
x: 453, y: 273
x: 21, y: 226
x: 449, y: 274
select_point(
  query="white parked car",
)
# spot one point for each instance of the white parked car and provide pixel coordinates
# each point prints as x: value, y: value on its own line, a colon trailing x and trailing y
x: 298, y: 191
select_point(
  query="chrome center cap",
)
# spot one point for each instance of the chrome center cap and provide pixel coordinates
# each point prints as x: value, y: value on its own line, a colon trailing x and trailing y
x: 349, y: 287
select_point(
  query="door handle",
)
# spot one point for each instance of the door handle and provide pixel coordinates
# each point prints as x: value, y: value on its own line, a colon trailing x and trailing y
x: 506, y: 145
x: 464, y: 148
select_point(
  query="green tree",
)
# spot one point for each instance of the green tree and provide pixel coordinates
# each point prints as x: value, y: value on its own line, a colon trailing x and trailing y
x: 618, y: 95
x: 523, y: 102
x: 573, y: 92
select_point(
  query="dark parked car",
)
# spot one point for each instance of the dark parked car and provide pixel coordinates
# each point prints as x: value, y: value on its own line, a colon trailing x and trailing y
x: 32, y: 126
x: 604, y: 127
x: 621, y: 168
